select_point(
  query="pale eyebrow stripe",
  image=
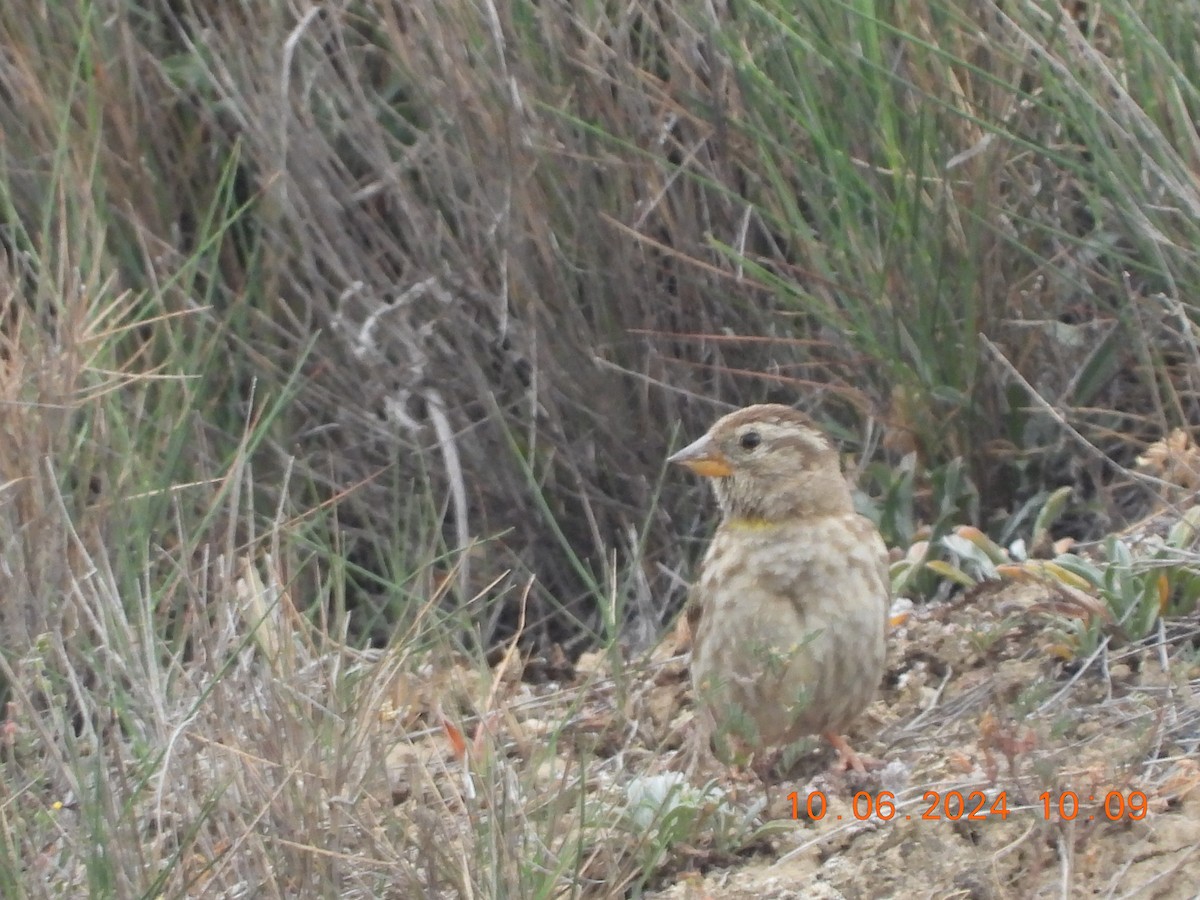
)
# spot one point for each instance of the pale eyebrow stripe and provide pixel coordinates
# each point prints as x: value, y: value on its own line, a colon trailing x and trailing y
x: 807, y: 439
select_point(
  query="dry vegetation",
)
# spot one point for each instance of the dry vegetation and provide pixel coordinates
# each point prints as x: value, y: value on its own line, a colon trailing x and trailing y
x: 340, y: 349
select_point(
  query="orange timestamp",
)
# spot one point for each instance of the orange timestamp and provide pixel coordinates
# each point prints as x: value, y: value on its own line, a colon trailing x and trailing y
x: 976, y: 806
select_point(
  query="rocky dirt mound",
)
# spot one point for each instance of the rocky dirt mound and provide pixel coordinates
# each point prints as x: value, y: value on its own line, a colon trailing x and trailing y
x: 1010, y: 772
x: 1013, y: 768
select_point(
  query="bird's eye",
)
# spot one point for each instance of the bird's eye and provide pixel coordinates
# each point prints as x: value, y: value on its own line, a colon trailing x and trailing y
x: 750, y: 440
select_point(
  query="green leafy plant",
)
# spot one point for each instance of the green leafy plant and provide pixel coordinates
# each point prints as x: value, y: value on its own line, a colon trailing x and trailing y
x: 668, y: 810
x: 1158, y: 579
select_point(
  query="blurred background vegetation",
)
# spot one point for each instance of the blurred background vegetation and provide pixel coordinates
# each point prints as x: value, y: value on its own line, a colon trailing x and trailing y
x: 399, y: 306
x: 458, y: 275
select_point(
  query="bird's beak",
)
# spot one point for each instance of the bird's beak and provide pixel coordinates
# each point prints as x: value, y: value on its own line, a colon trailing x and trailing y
x: 703, y: 458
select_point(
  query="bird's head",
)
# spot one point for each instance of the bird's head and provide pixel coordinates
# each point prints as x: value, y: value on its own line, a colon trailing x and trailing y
x: 768, y: 464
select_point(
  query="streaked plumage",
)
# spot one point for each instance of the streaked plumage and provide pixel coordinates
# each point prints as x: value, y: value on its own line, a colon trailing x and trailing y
x: 793, y: 593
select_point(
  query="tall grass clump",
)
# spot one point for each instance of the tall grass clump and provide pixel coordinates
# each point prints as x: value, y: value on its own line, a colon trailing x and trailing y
x: 130, y: 607
x: 520, y: 241
x: 187, y: 707
x: 985, y: 217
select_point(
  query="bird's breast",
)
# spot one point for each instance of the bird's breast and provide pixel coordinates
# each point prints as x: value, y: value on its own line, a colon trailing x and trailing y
x: 792, y: 623
x: 795, y: 562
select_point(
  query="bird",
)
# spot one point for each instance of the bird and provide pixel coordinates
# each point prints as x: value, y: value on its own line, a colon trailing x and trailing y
x: 793, y: 593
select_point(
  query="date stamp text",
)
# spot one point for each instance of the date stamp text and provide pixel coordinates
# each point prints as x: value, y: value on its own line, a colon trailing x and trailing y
x: 975, y: 806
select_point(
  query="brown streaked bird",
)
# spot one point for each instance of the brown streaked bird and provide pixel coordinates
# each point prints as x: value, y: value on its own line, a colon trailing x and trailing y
x: 793, y: 593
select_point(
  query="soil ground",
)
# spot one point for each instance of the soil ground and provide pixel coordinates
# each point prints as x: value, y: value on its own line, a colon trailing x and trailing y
x: 1079, y: 770
x: 979, y: 700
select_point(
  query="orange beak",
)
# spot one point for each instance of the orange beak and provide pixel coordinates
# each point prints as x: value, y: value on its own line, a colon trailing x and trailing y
x: 704, y: 459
